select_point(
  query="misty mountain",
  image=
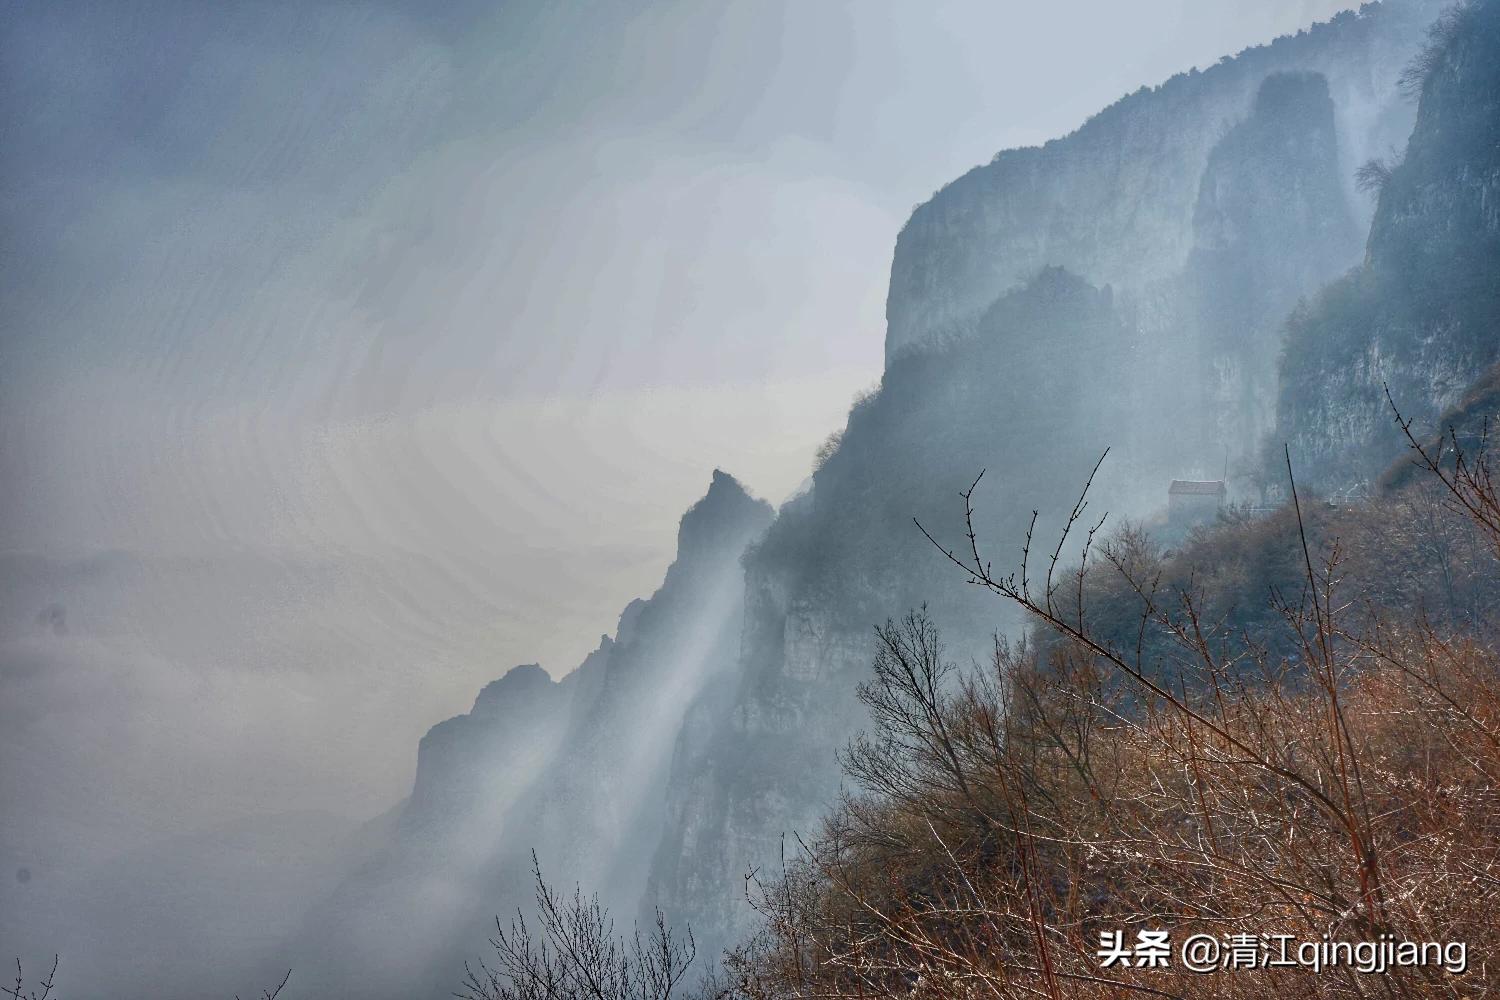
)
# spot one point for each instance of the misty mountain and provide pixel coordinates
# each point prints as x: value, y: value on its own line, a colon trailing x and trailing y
x: 1115, y: 200
x: 1420, y: 313
x: 1020, y: 346
x: 575, y: 770
x: 1127, y: 286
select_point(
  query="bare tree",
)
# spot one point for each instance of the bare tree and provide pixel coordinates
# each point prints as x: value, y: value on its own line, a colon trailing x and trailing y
x: 272, y: 994
x: 1466, y: 475
x: 569, y: 951
x: 1327, y: 771
x: 18, y: 992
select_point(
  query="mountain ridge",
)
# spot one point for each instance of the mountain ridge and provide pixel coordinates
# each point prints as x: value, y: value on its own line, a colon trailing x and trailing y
x: 1032, y: 378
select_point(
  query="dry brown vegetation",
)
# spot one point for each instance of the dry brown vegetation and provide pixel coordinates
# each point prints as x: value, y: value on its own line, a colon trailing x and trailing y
x: 1324, y: 765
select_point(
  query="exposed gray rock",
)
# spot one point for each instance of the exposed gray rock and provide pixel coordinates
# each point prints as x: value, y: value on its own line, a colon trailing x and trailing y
x: 574, y: 770
x: 1422, y: 315
x: 1114, y: 201
x: 1125, y: 286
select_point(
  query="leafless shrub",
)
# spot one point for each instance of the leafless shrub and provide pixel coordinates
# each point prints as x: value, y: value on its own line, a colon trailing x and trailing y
x: 1465, y: 475
x: 18, y: 992
x: 272, y: 994
x: 570, y: 951
x: 1344, y: 787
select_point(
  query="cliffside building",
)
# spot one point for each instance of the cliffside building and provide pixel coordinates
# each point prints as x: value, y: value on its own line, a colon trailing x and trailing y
x: 1193, y: 501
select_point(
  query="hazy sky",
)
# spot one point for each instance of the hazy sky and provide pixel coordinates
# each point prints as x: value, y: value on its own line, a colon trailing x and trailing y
x: 352, y: 353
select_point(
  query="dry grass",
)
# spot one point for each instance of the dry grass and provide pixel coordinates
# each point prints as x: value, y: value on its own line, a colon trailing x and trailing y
x: 1331, y: 772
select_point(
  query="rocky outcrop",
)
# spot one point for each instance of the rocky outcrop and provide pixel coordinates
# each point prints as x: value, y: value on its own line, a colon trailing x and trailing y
x: 1124, y: 287
x: 600, y: 812
x: 1114, y: 201
x: 1421, y: 315
x: 1271, y: 225
x: 471, y: 768
x: 574, y: 770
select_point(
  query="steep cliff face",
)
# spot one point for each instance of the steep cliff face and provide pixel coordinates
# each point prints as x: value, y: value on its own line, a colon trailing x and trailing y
x: 1187, y: 221
x: 471, y: 768
x: 1422, y: 315
x: 1271, y: 225
x: 757, y: 759
x: 404, y: 900
x: 601, y: 808
x: 1115, y: 200
x: 574, y: 770
x: 1123, y: 287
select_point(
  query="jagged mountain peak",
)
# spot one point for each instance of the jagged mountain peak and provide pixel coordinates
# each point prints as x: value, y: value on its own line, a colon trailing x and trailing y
x: 522, y: 682
x: 723, y: 487
x: 726, y: 515
x: 1123, y: 287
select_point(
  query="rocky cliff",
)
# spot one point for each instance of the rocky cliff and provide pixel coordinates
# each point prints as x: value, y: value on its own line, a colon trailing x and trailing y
x: 574, y: 770
x: 1124, y: 287
x: 1115, y: 200
x: 1422, y: 314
